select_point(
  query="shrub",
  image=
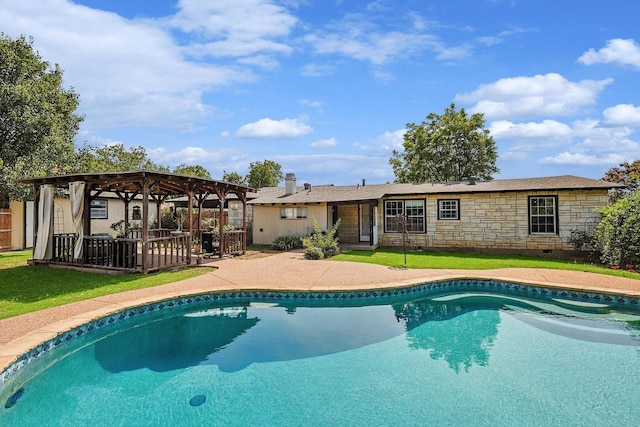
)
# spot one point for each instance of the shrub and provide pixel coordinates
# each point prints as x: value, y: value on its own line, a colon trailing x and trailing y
x: 326, y: 242
x: 617, y: 236
x: 581, y: 239
x: 287, y: 243
x: 313, y: 252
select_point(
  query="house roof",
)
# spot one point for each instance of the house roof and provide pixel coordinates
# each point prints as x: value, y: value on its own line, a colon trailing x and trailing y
x: 365, y: 193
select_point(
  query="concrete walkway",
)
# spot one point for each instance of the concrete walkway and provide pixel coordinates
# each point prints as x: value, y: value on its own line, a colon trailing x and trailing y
x: 280, y: 271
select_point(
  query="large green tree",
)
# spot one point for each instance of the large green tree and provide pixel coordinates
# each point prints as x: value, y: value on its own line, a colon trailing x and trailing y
x: 38, y: 120
x: 446, y: 147
x: 114, y: 158
x: 264, y: 174
x: 195, y: 170
x: 234, y: 178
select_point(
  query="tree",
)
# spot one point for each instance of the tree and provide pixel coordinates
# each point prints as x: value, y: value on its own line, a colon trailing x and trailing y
x: 627, y: 174
x: 195, y: 170
x: 617, y: 236
x: 114, y: 158
x: 38, y: 122
x: 233, y: 177
x: 264, y: 174
x: 447, y: 147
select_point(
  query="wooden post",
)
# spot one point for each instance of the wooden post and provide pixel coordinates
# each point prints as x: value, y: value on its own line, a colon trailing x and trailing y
x: 145, y: 226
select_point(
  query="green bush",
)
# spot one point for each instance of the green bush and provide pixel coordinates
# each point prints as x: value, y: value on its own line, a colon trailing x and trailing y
x: 581, y: 239
x: 287, y: 243
x: 617, y: 236
x: 326, y: 242
x: 216, y: 231
x: 313, y: 252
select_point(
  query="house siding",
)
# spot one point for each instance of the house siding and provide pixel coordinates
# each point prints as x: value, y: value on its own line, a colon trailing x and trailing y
x: 500, y: 221
x: 267, y: 224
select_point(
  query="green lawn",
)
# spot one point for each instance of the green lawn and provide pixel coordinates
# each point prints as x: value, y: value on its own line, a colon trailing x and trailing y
x: 468, y: 261
x: 25, y: 288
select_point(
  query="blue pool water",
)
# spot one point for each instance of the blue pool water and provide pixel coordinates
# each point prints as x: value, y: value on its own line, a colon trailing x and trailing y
x: 452, y: 359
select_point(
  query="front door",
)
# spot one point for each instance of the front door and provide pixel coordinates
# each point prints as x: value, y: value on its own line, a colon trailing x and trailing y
x: 365, y: 223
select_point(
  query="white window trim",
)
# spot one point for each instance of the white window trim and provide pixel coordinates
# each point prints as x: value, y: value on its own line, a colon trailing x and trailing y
x: 405, y: 207
x: 554, y: 216
x: 294, y: 212
x: 95, y: 209
x: 441, y: 210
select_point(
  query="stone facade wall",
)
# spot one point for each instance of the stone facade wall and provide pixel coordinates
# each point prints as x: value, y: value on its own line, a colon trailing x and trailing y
x: 500, y: 221
x: 349, y: 224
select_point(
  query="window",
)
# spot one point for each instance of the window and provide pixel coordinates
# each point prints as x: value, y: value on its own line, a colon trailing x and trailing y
x: 99, y: 209
x: 449, y: 209
x: 136, y: 214
x: 412, y: 209
x: 293, y: 213
x: 543, y: 215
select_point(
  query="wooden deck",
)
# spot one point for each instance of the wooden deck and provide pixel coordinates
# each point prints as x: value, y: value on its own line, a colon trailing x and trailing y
x: 164, y: 251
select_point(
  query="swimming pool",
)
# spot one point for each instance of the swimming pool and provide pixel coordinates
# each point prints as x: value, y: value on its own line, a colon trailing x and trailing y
x: 459, y: 353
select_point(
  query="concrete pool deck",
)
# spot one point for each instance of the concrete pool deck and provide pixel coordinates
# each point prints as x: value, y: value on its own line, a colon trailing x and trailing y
x: 279, y: 271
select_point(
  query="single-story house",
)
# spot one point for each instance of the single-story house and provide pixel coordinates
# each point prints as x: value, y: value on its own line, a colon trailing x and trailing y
x: 529, y: 215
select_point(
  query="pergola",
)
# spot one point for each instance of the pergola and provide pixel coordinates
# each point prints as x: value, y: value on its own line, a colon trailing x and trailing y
x: 151, y: 249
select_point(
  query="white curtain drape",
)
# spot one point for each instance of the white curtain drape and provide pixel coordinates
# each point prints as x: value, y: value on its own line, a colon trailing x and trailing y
x: 76, y: 190
x: 44, y: 242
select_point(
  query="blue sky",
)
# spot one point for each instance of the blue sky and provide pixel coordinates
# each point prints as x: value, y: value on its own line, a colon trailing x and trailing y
x: 325, y: 88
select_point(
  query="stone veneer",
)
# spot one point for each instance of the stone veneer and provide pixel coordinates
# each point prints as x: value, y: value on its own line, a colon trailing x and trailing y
x: 500, y: 221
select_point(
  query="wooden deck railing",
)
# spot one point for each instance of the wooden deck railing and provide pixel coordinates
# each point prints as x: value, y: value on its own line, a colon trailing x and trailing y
x: 136, y: 233
x: 169, y: 251
x: 63, y: 247
x: 233, y: 242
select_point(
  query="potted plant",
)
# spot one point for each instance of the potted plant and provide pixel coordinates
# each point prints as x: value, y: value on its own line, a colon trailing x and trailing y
x: 197, y: 246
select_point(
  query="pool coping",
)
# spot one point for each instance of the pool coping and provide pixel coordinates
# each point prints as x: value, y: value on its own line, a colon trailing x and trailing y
x: 14, y: 349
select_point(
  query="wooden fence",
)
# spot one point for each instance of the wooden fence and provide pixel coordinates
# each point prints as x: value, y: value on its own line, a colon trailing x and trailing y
x: 5, y: 230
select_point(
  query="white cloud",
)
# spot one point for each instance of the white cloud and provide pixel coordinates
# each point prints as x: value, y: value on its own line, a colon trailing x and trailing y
x: 124, y: 70
x: 622, y: 115
x: 384, y: 143
x: 538, y: 96
x: 582, y: 159
x: 274, y: 129
x: 378, y: 48
x: 317, y: 70
x: 585, y: 142
x: 236, y: 27
x: 359, y: 38
x: 545, y: 129
x: 344, y: 169
x: 621, y: 51
x: 324, y: 143
x: 313, y: 104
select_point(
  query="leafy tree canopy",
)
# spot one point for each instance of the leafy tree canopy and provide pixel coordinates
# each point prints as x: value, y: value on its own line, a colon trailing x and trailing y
x: 446, y: 147
x: 234, y: 178
x: 38, y: 122
x: 195, y: 170
x: 627, y: 174
x: 114, y: 158
x: 264, y: 174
